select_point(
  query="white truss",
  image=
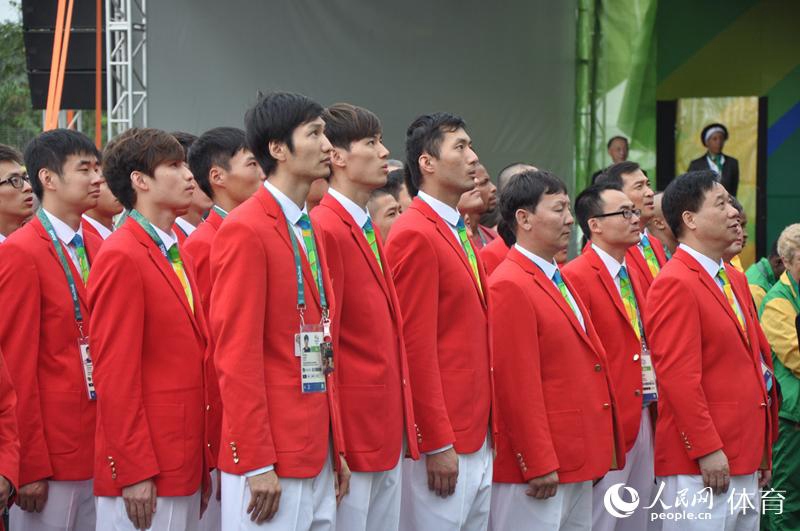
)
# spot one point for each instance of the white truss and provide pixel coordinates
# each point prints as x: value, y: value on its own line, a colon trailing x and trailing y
x: 126, y: 64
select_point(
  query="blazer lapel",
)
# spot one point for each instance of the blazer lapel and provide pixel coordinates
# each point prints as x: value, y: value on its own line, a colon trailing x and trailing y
x: 608, y: 283
x: 76, y: 275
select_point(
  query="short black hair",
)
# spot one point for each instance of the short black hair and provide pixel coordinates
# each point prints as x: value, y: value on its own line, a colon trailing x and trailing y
x: 51, y: 150
x: 274, y: 118
x: 185, y: 140
x: 505, y: 232
x: 346, y: 123
x: 685, y: 193
x: 613, y: 174
x: 589, y: 204
x: 137, y: 150
x: 425, y: 135
x: 394, y: 181
x: 525, y: 190
x: 10, y: 154
x: 618, y: 137
x: 215, y: 147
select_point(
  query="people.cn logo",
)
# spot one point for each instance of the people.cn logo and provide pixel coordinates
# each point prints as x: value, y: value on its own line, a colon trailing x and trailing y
x: 615, y: 505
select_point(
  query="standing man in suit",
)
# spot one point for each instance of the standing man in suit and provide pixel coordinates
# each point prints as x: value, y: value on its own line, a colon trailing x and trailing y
x: 43, y: 270
x: 281, y: 452
x: 100, y: 219
x: 227, y: 172
x: 559, y: 428
x: 187, y: 223
x: 444, y: 300
x: 648, y: 256
x: 717, y: 398
x: 149, y: 340
x: 16, y: 195
x: 614, y: 298
x: 725, y: 167
x: 371, y: 366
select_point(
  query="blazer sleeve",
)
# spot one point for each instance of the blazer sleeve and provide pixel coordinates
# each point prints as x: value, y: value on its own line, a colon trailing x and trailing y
x: 239, y: 269
x: 673, y: 319
x: 517, y: 362
x: 415, y: 271
x: 116, y: 292
x: 20, y: 289
x: 9, y: 436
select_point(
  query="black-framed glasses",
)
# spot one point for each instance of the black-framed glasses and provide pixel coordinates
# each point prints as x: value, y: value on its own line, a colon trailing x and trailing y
x: 627, y: 214
x: 17, y: 181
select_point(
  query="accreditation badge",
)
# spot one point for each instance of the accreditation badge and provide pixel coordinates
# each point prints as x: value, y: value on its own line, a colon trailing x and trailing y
x: 88, y: 367
x: 312, y: 375
x: 649, y: 389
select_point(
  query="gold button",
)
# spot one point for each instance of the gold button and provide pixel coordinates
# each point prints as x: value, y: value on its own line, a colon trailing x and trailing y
x: 763, y: 404
x: 208, y: 407
x: 635, y: 357
x: 637, y: 392
x: 598, y: 368
x: 606, y: 405
x: 113, y: 475
x: 235, y: 460
x: 209, y: 445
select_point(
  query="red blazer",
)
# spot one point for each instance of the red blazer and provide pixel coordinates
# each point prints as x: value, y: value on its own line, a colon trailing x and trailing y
x: 371, y: 369
x: 89, y: 228
x: 266, y: 418
x: 557, y: 410
x: 493, y: 254
x: 446, y: 331
x: 198, y: 247
x: 182, y: 237
x: 636, y: 261
x: 55, y: 417
x: 603, y: 302
x: 149, y: 349
x: 711, y: 390
x: 9, y: 435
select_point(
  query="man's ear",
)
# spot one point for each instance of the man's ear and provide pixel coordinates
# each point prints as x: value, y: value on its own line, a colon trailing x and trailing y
x: 426, y: 163
x: 338, y: 157
x: 139, y: 182
x: 278, y: 150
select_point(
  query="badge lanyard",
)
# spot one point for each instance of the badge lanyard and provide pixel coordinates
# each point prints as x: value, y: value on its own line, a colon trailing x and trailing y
x: 148, y: 228
x: 221, y: 213
x: 83, y: 340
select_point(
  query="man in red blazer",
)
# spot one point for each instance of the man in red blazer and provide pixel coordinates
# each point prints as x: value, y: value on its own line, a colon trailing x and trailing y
x: 227, y: 172
x: 559, y: 428
x: 149, y: 340
x: 614, y: 298
x: 9, y: 440
x: 281, y: 452
x: 43, y: 267
x: 371, y: 367
x: 100, y: 219
x: 648, y: 256
x: 444, y: 300
x: 717, y: 396
x: 16, y: 194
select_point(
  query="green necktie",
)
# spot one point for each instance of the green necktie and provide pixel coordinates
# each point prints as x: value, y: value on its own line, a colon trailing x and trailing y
x: 629, y: 301
x: 177, y: 266
x: 465, y: 243
x: 311, y: 248
x: 562, y: 287
x: 80, y: 252
x: 722, y: 275
x: 369, y: 232
x: 650, y: 256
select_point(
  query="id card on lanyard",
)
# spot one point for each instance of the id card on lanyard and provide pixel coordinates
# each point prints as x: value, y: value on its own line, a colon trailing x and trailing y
x: 83, y: 339
x: 313, y: 344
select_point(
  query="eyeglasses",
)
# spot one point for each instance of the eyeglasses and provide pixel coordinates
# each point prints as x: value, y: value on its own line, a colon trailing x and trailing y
x: 17, y: 181
x: 627, y: 214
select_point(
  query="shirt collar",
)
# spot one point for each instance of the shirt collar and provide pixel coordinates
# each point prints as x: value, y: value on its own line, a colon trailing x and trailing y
x: 2, y: 238
x: 548, y: 268
x: 444, y: 211
x: 102, y: 229
x: 290, y: 209
x: 360, y: 216
x: 167, y: 239
x: 609, y: 261
x: 187, y: 227
x: 711, y: 267
x: 63, y: 231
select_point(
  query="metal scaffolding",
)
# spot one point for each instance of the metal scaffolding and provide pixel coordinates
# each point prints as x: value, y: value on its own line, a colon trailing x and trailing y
x: 126, y: 62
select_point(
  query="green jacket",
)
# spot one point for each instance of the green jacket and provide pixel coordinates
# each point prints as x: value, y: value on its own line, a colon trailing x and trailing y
x: 761, y: 278
x: 777, y: 314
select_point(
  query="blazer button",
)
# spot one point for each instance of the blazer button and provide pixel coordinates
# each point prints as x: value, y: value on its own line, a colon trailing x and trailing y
x: 635, y: 357
x: 637, y: 393
x: 598, y: 367
x: 235, y: 460
x: 208, y: 407
x: 606, y: 405
x: 763, y: 404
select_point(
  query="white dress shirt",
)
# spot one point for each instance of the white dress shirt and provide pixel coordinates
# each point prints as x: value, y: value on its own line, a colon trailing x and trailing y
x: 611, y: 264
x: 65, y: 234
x: 2, y: 238
x: 712, y: 268
x: 102, y: 229
x: 449, y: 214
x: 290, y: 210
x: 359, y: 215
x: 185, y: 226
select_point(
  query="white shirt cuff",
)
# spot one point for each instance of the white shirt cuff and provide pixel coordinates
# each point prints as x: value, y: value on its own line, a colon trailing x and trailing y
x: 439, y: 450
x: 258, y: 471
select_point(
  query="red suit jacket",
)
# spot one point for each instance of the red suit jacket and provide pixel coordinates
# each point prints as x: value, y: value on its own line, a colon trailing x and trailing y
x: 149, y: 349
x: 266, y: 418
x: 55, y: 417
x: 9, y: 436
x: 593, y: 283
x: 556, y: 405
x: 198, y: 247
x: 446, y: 331
x: 89, y: 228
x: 711, y: 389
x: 371, y: 369
x: 636, y: 261
x: 493, y: 254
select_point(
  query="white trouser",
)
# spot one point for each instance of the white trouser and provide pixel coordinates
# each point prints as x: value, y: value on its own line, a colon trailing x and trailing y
x: 305, y: 505
x: 211, y: 520
x: 726, y: 512
x: 69, y: 507
x: 173, y: 513
x: 569, y: 510
x: 373, y: 503
x: 638, y: 474
x: 467, y: 509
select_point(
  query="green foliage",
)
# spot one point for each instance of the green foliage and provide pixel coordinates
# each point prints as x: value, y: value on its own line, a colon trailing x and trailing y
x: 18, y: 121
